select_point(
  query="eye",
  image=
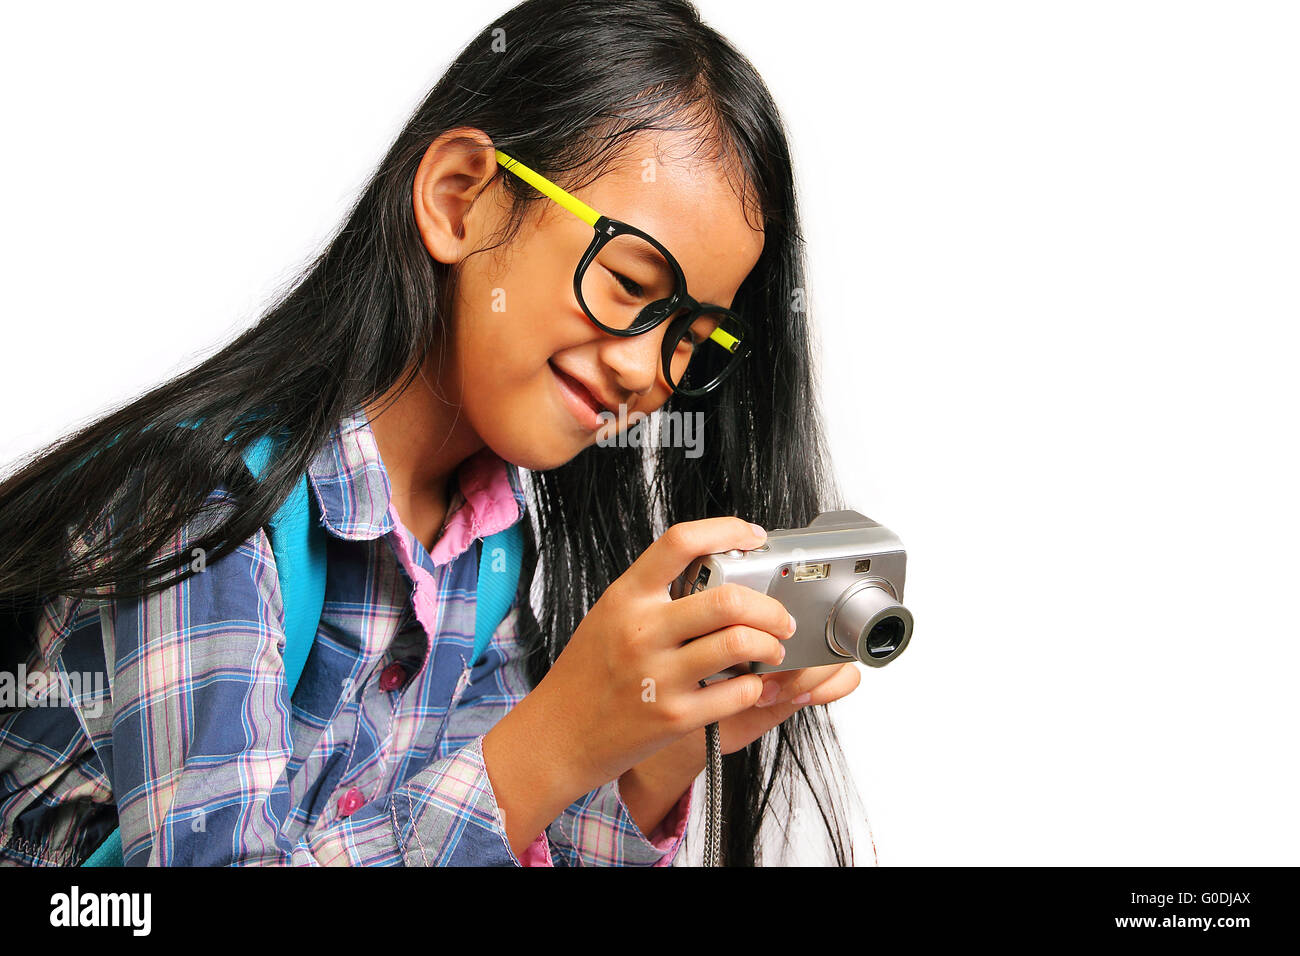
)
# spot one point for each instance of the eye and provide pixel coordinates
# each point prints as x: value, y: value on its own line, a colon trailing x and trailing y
x: 630, y: 287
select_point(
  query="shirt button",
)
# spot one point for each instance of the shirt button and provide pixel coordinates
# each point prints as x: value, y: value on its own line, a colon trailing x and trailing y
x: 393, y: 677
x: 350, y: 802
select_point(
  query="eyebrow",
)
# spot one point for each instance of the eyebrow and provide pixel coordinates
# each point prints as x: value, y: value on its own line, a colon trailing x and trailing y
x: 649, y: 254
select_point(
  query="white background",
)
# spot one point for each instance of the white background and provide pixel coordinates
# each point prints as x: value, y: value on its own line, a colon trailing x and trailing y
x: 1053, y: 252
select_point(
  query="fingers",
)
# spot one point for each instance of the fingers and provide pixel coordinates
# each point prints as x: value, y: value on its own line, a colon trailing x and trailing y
x: 725, y: 698
x: 737, y: 644
x: 786, y: 685
x: 758, y: 720
x: 734, y: 700
x: 814, y: 687
x: 664, y: 561
x: 724, y: 606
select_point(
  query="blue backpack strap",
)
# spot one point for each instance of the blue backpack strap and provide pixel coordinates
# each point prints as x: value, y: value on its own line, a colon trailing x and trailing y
x: 298, y: 543
x: 498, y: 578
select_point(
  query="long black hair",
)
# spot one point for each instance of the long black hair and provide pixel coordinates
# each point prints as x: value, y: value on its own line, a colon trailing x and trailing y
x: 560, y: 85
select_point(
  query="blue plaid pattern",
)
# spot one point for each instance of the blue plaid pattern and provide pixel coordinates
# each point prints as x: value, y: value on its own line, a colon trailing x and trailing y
x: 168, y: 716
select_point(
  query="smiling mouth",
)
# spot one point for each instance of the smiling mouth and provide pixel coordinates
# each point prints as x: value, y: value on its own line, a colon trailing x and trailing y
x: 581, y: 395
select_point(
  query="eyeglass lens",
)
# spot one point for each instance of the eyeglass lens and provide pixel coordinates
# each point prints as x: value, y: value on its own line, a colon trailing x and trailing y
x: 627, y: 277
x: 705, y: 350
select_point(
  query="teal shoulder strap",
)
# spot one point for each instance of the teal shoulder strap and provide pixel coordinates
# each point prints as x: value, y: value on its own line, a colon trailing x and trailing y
x: 498, y: 578
x: 298, y: 543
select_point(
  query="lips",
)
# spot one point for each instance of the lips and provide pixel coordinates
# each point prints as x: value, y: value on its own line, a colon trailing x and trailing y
x: 580, y: 397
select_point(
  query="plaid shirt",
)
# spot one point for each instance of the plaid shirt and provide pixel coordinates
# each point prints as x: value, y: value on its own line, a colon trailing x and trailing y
x: 202, y: 759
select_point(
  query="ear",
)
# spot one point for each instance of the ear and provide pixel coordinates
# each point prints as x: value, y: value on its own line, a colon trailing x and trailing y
x: 454, y: 169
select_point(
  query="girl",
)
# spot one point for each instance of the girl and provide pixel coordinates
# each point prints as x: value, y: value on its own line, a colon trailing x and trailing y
x: 592, y: 212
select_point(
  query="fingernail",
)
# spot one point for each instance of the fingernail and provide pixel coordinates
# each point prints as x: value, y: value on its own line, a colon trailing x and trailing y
x: 771, y: 691
x: 801, y: 699
x: 758, y: 530
x: 793, y: 624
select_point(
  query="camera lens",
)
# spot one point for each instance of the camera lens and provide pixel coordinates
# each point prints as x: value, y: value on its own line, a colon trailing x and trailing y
x: 884, y: 637
x: 870, y: 625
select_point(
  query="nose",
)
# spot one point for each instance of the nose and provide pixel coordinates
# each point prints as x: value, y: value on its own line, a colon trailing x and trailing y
x: 635, y: 360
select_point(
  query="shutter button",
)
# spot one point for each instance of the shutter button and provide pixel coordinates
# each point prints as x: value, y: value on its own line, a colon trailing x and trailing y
x: 350, y: 802
x: 393, y: 677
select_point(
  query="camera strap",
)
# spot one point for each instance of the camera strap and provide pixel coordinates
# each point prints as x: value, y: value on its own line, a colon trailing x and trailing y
x: 713, y: 797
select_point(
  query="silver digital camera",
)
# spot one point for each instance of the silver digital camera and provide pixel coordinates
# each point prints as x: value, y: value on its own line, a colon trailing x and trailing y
x: 842, y: 580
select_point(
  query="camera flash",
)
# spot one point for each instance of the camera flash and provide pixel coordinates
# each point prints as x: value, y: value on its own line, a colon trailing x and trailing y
x: 811, y: 572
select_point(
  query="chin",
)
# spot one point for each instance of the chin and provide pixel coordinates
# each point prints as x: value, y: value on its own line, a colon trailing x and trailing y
x: 532, y: 428
x: 542, y: 461
x: 537, y: 451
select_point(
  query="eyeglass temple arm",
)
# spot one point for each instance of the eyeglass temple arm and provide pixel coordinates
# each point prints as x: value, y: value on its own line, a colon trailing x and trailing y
x: 587, y: 215
x: 548, y: 188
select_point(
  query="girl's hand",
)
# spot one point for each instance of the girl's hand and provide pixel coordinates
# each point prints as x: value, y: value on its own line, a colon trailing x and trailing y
x: 783, y: 694
x: 630, y: 677
x: 652, y: 787
x: 627, y: 683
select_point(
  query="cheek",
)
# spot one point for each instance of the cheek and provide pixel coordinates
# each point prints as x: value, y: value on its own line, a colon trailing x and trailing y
x: 505, y: 330
x: 514, y: 313
x: 504, y: 338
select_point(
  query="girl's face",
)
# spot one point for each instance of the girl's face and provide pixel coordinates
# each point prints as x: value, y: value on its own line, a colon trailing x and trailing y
x: 522, y: 353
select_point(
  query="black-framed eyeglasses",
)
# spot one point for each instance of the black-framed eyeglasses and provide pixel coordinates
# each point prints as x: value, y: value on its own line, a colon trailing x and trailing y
x: 628, y: 283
